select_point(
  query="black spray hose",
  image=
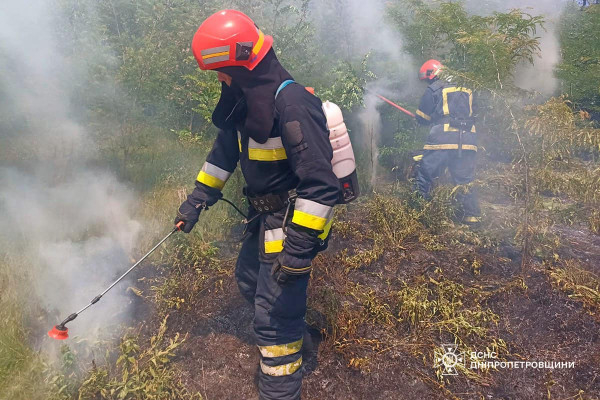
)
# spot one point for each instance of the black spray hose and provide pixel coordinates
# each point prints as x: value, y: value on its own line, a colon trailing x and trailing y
x: 234, y: 206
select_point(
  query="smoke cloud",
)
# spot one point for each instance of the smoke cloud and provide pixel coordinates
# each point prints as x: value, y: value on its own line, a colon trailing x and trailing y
x: 354, y: 28
x: 370, y: 121
x: 360, y: 27
x: 538, y: 77
x: 68, y: 224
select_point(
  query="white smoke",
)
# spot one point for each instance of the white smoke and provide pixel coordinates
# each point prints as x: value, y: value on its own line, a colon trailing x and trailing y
x: 538, y: 77
x: 68, y: 224
x: 354, y: 28
x: 370, y: 120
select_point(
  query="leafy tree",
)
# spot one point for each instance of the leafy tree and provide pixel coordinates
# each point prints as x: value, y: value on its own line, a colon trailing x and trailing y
x: 349, y: 84
x: 580, y: 66
x: 484, y: 50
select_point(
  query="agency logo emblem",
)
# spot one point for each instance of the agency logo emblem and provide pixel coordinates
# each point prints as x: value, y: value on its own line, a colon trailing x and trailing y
x: 449, y: 358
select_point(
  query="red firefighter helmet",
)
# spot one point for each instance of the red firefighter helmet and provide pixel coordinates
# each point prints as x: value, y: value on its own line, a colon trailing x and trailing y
x: 430, y: 69
x: 230, y: 38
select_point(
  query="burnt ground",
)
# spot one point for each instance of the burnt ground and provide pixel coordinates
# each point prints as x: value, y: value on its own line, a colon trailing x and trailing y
x: 370, y: 349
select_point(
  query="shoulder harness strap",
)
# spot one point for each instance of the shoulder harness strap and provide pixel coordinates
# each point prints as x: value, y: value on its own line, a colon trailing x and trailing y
x: 440, y: 84
x: 283, y: 86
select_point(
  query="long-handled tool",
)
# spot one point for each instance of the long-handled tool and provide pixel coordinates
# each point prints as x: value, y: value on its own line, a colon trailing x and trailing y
x: 61, y: 332
x: 404, y: 110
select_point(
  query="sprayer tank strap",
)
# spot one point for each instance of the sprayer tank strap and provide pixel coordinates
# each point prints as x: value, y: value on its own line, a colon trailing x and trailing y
x: 283, y: 86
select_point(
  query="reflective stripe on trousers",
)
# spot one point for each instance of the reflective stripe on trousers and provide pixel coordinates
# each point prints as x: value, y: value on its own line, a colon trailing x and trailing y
x: 279, y: 326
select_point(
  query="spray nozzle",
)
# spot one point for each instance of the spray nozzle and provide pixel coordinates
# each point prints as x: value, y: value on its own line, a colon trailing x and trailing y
x: 59, y: 332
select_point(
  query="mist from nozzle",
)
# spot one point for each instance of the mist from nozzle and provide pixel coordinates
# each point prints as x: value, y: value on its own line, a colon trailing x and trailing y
x: 65, y: 225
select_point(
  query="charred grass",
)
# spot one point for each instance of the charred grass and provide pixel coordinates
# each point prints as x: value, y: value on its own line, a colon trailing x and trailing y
x: 400, y: 280
x: 403, y: 280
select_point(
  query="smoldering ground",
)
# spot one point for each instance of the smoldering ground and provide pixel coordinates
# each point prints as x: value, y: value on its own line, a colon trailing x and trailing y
x: 65, y: 227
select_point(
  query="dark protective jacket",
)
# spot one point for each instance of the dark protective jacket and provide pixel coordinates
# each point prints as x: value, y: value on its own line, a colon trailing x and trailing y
x: 442, y: 106
x: 296, y: 155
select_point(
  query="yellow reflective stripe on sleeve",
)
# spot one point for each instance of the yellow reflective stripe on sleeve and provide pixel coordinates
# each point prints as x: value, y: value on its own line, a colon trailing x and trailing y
x: 311, y: 214
x: 418, y: 158
x: 274, y: 241
x: 281, y: 370
x: 326, y: 230
x: 211, y: 181
x: 215, y: 171
x: 213, y: 176
x: 271, y: 150
x: 259, y: 43
x: 313, y: 208
x: 240, y: 141
x: 448, y: 128
x: 472, y: 219
x: 447, y: 90
x: 280, y: 350
x: 449, y: 147
x: 309, y: 221
x: 423, y: 115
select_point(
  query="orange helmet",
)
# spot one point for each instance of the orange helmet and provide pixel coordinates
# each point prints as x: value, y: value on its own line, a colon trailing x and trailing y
x: 430, y: 69
x: 230, y: 38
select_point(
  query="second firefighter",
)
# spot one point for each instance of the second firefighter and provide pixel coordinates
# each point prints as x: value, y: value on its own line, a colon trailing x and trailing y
x: 452, y: 140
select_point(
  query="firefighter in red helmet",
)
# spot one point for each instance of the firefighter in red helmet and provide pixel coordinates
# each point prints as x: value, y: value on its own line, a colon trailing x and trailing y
x: 277, y: 131
x: 452, y: 140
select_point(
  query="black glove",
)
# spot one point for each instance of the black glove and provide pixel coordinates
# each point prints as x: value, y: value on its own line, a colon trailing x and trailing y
x: 284, y: 274
x: 189, y: 214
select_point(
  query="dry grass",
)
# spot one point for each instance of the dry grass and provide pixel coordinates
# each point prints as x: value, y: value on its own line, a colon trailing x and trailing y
x: 578, y: 283
x: 370, y: 314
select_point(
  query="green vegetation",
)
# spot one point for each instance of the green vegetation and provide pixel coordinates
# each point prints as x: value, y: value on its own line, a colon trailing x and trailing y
x: 580, y: 48
x: 22, y: 370
x: 364, y: 319
x: 144, y: 373
x: 482, y: 50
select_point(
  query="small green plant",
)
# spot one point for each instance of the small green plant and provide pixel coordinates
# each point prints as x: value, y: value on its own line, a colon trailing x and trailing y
x: 186, y: 137
x: 141, y: 372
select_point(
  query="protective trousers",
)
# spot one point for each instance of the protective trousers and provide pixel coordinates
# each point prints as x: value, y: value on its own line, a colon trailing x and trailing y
x: 279, y: 326
x: 461, y: 169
